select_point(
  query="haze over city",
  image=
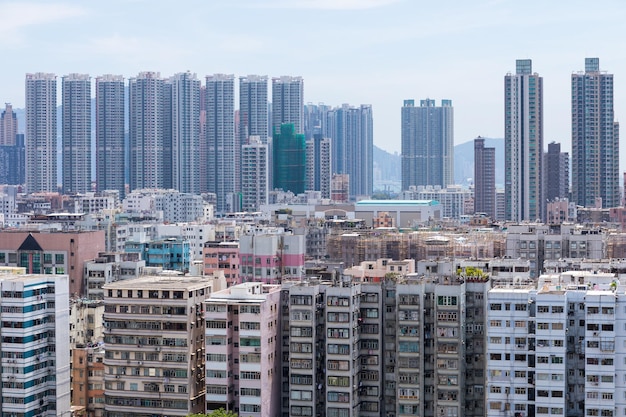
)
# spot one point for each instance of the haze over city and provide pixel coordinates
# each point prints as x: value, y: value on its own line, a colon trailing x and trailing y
x: 378, y: 52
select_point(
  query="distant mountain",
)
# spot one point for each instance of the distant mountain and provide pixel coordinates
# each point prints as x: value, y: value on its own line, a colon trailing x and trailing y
x: 386, y: 166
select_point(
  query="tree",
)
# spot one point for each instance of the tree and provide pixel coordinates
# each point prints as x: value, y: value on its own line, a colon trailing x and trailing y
x: 217, y: 413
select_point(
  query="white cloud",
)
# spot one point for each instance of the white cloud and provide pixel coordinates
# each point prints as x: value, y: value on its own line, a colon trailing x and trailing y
x: 16, y: 16
x: 328, y: 4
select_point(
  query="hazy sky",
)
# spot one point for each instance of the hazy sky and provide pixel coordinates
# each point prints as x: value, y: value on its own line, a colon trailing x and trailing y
x: 378, y: 52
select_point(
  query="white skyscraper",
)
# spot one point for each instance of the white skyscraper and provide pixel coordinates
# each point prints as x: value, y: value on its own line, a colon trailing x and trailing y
x: 41, y: 132
x: 254, y: 174
x: 76, y: 133
x: 523, y: 136
x: 220, y: 137
x: 35, y: 336
x: 185, y: 132
x: 288, y: 103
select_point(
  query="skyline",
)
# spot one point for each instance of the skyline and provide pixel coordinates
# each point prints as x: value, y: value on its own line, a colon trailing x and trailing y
x: 411, y: 50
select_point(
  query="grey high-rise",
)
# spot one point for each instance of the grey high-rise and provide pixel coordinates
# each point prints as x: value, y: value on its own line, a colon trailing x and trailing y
x: 288, y: 103
x: 8, y: 126
x: 523, y: 136
x: 253, y: 108
x: 110, y: 111
x: 185, y: 106
x: 484, y: 178
x: 220, y: 137
x: 556, y: 165
x: 41, y: 133
x: 76, y: 133
x: 595, y: 138
x: 427, y: 143
x: 149, y: 132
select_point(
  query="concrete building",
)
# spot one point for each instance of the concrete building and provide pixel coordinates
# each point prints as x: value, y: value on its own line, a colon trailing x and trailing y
x: 243, y: 350
x: 595, y: 138
x: 484, y: 178
x: 171, y: 254
x: 110, y: 114
x: 76, y: 133
x: 148, y: 133
x: 427, y: 143
x: 155, y: 353
x: 185, y: 126
x: 523, y: 136
x: 176, y: 207
x: 452, y: 199
x: 254, y: 174
x: 222, y: 256
x: 63, y: 253
x: 41, y: 133
x: 111, y: 267
x: 35, y: 345
x: 8, y: 126
x: 318, y: 165
x: 253, y: 108
x: 271, y: 258
x: 350, y: 129
x: 406, y: 213
x: 556, y: 164
x: 287, y: 103
x: 222, y: 151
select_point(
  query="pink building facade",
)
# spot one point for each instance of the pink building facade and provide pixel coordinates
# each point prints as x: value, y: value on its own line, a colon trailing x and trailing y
x: 270, y: 258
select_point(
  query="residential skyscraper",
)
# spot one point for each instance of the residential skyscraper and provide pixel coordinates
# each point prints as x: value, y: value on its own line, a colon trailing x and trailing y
x: 484, y: 178
x: 110, y: 144
x: 595, y: 138
x: 185, y: 132
x: 289, y: 160
x: 523, y: 135
x: 41, y: 132
x: 254, y: 174
x: 288, y: 103
x: 76, y: 133
x: 315, y: 120
x: 351, y: 131
x: 8, y: 126
x: 253, y: 108
x: 12, y: 162
x: 556, y: 167
x: 427, y: 143
x: 318, y: 166
x: 220, y: 137
x: 149, y: 139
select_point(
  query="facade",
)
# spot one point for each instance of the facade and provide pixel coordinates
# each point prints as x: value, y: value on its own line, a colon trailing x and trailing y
x: 154, y: 362
x: 351, y: 132
x: 271, y: 258
x: 63, y: 253
x: 556, y: 164
x: 41, y: 133
x: 111, y: 267
x: 149, y: 139
x: 222, y: 151
x: 8, y: 126
x: 427, y: 143
x: 185, y: 132
x: 287, y: 103
x: 289, y: 160
x: 170, y: 254
x: 13, y: 162
x: 406, y: 213
x: 243, y: 350
x: 110, y: 141
x: 35, y: 345
x: 222, y: 256
x: 176, y: 206
x: 318, y: 165
x: 253, y: 109
x: 523, y: 135
x: 452, y: 199
x: 595, y: 138
x: 76, y: 133
x: 254, y: 174
x: 484, y: 178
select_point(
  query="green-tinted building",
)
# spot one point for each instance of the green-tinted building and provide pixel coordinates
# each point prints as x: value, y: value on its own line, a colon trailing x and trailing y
x: 289, y: 152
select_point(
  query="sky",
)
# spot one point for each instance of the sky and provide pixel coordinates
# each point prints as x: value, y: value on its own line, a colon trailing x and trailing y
x: 377, y: 52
